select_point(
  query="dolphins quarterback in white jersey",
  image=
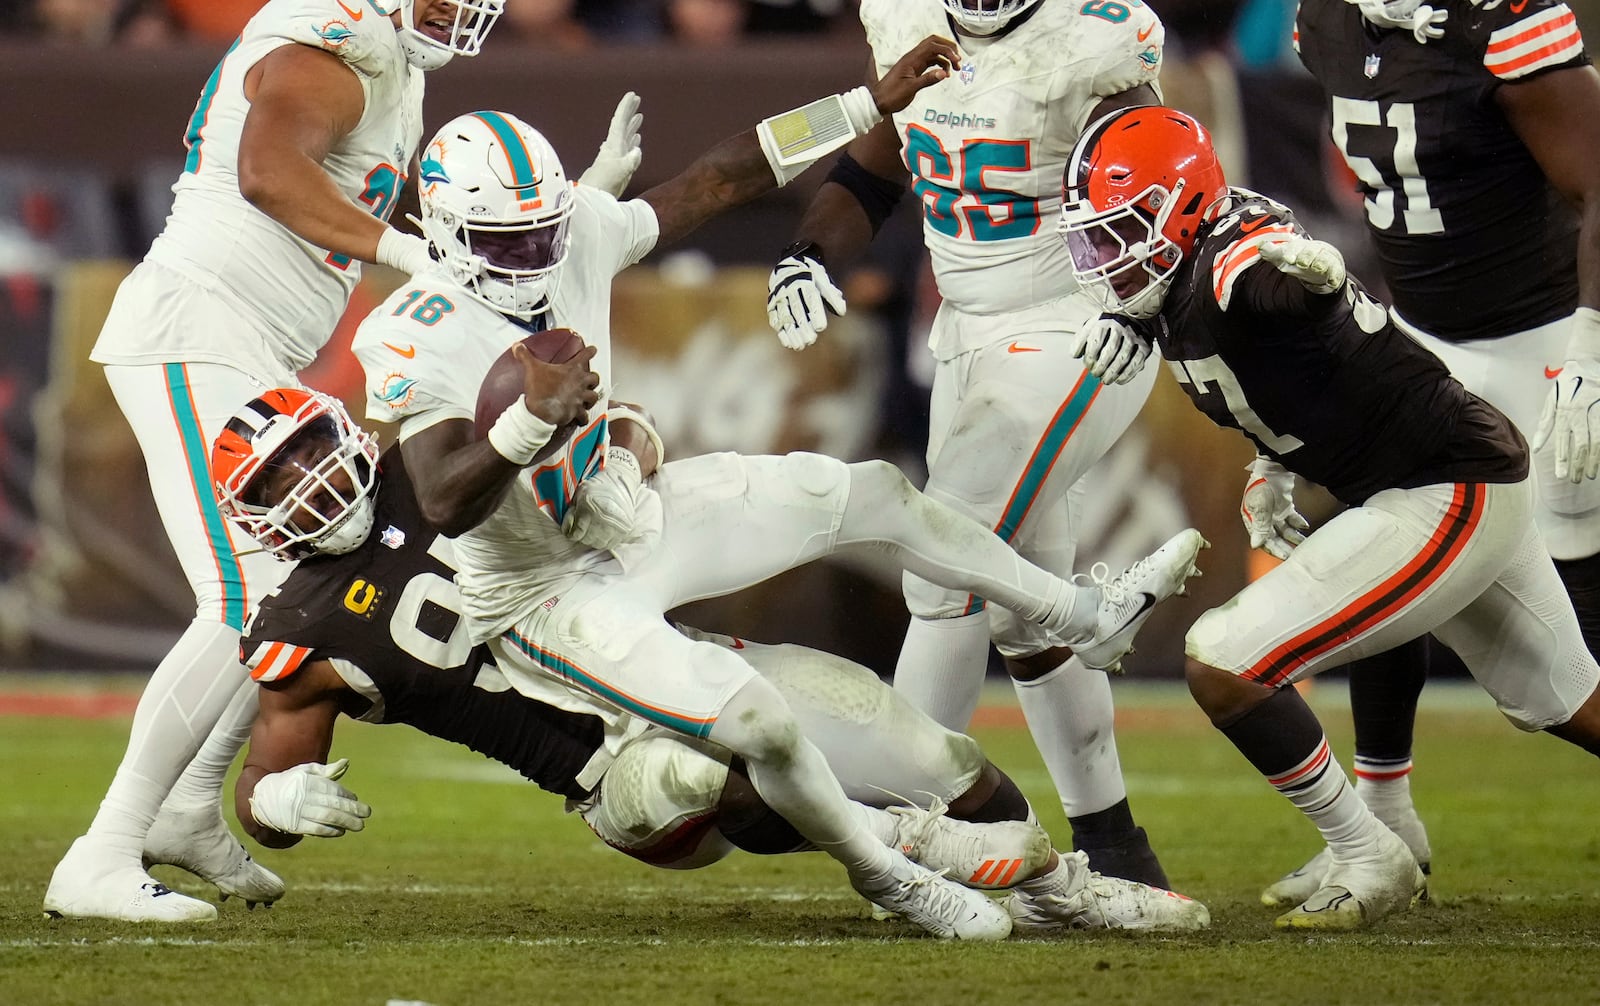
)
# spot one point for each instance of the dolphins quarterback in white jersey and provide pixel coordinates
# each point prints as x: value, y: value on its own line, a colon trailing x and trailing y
x: 576, y: 617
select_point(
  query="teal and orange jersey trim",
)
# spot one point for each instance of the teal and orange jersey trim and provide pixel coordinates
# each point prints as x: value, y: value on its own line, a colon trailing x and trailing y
x: 1045, y: 454
x: 194, y: 135
x: 196, y: 453
x: 566, y: 669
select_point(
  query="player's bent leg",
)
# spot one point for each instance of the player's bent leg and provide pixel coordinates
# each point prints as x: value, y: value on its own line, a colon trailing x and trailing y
x: 658, y: 802
x: 793, y: 778
x: 189, y: 832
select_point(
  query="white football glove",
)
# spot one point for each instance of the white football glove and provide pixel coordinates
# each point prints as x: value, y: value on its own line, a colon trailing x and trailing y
x: 306, y: 800
x: 1572, y: 417
x: 799, y: 295
x: 1111, y: 348
x: 1421, y: 20
x: 620, y: 154
x: 605, y: 507
x: 1316, y: 264
x: 1268, y: 511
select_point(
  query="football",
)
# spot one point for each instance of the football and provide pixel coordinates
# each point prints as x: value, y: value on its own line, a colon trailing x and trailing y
x: 503, y: 384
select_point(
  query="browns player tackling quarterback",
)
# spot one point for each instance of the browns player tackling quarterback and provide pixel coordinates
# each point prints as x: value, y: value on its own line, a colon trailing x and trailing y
x: 1267, y: 335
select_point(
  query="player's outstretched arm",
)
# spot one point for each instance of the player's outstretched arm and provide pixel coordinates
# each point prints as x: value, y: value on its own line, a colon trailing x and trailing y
x: 303, y: 101
x: 293, y: 728
x: 739, y: 169
x: 460, y: 479
x: 1557, y: 116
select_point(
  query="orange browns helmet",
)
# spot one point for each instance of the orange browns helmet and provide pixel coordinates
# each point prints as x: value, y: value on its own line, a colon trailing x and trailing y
x: 1138, y: 187
x: 296, y: 473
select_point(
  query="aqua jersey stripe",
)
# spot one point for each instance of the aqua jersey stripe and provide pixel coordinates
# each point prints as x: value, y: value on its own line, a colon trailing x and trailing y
x: 195, y: 454
x: 516, y: 153
x: 1044, y: 458
x: 192, y: 138
x: 570, y: 671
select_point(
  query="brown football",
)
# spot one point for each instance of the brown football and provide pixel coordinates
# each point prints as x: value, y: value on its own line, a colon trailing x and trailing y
x: 503, y: 384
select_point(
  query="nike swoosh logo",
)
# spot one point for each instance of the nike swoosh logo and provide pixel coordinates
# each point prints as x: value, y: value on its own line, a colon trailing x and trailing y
x: 408, y: 352
x: 1516, y: 8
x: 1014, y: 348
x: 738, y: 643
x: 1142, y: 35
x: 355, y: 15
x: 1553, y: 374
x: 1149, y: 602
x: 1254, y: 225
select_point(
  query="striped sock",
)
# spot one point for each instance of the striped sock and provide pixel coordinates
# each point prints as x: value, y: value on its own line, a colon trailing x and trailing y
x: 1385, y: 785
x: 1318, y: 787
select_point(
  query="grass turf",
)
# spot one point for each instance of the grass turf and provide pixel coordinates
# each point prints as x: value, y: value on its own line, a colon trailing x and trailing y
x: 470, y: 887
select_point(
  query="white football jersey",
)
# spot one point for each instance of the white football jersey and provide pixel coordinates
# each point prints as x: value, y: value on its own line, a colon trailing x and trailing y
x: 987, y: 146
x: 291, y: 291
x: 426, y: 351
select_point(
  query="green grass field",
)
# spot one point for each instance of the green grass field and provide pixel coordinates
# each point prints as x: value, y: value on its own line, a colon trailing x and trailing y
x: 471, y: 887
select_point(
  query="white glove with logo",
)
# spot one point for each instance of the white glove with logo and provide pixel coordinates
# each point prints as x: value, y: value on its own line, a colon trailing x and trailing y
x: 604, y: 509
x: 1316, y: 264
x: 306, y: 800
x: 1111, y: 348
x: 620, y: 154
x: 1572, y: 409
x: 1274, y: 524
x: 799, y: 295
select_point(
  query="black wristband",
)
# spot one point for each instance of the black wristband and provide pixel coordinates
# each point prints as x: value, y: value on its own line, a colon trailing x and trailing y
x: 804, y: 249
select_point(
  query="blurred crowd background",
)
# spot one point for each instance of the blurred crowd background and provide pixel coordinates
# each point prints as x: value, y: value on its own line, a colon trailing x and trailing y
x: 95, y: 94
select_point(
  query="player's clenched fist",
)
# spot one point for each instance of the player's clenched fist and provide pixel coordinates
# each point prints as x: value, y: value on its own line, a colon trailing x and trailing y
x: 927, y: 64
x: 306, y: 800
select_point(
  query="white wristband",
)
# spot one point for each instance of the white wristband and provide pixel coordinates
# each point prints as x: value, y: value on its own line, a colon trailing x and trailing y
x: 405, y: 252
x: 1264, y: 467
x: 519, y: 434
x: 617, y: 412
x: 798, y: 138
x: 1584, y: 341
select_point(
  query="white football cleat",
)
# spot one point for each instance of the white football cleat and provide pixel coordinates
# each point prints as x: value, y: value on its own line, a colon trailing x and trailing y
x: 1127, y: 599
x: 1296, y: 887
x: 86, y: 886
x: 1074, y: 897
x: 940, y: 906
x: 987, y: 856
x: 1359, y: 892
x: 199, y: 841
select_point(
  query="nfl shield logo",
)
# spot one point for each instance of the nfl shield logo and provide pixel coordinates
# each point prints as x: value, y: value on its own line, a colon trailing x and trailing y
x: 1371, y: 67
x: 392, y: 536
x: 969, y: 69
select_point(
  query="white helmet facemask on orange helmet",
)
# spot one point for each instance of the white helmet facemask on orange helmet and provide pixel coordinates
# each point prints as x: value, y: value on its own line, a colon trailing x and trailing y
x: 496, y: 207
x: 465, y: 23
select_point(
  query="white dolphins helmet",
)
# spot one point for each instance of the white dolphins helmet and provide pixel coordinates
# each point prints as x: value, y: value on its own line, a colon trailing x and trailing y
x: 467, y: 29
x: 985, y: 17
x: 496, y: 206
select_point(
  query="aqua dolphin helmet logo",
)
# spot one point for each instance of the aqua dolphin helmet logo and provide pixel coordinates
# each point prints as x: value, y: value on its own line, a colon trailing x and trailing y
x: 433, y: 172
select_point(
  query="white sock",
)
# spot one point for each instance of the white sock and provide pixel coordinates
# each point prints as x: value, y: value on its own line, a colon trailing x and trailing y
x: 798, y: 784
x: 884, y: 826
x: 183, y: 701
x: 941, y: 667
x: 1385, y: 786
x: 1319, y: 788
x: 1069, y: 713
x: 201, y: 783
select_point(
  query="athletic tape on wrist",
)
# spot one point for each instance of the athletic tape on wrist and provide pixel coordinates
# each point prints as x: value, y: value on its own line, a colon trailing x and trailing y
x: 796, y: 139
x: 405, y: 252
x: 519, y: 434
x: 623, y: 462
